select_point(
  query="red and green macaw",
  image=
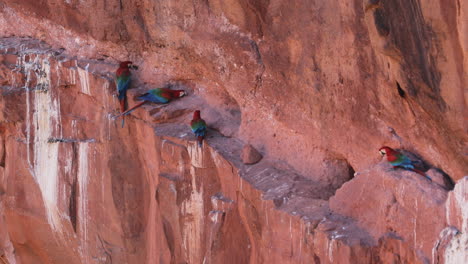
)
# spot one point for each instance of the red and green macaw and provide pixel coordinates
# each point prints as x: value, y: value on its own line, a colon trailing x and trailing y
x: 123, y: 79
x: 158, y: 95
x: 198, y: 126
x: 399, y: 160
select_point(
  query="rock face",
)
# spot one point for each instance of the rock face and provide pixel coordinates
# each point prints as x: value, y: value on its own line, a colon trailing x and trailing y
x: 399, y: 205
x: 457, y: 217
x: 317, y: 87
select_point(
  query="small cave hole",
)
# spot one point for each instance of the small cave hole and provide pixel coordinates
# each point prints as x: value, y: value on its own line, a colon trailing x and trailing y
x: 401, y: 92
x: 448, y: 182
x: 342, y: 172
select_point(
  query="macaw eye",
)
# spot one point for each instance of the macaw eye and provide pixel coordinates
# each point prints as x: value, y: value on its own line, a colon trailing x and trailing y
x: 382, y: 152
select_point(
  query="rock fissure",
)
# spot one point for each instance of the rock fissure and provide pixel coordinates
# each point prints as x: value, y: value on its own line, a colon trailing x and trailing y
x: 77, y: 188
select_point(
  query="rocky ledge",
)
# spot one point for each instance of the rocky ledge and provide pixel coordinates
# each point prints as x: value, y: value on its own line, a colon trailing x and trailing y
x: 75, y: 187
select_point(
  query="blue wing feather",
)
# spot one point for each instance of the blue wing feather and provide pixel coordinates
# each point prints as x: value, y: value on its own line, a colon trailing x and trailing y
x: 154, y: 98
x: 123, y: 82
x: 403, y: 162
x: 199, y: 127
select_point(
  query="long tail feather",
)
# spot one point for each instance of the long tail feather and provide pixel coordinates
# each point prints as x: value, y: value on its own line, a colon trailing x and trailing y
x: 131, y: 109
x: 200, y: 141
x: 418, y: 172
x: 122, y: 109
x: 421, y: 173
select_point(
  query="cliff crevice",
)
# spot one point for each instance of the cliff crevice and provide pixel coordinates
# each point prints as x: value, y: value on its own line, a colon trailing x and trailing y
x: 316, y: 87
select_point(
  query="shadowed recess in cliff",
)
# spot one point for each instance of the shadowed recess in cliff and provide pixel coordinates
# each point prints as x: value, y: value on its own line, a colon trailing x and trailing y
x: 437, y: 175
x: 291, y: 32
x: 400, y: 91
x: 402, y: 22
x: 72, y: 207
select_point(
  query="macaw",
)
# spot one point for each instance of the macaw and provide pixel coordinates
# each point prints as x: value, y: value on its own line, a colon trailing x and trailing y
x: 123, y: 79
x: 198, y: 126
x: 399, y: 160
x: 158, y: 95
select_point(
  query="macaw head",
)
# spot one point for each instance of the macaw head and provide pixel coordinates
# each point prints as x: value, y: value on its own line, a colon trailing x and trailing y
x: 386, y: 151
x: 196, y: 114
x: 125, y: 64
x: 180, y: 93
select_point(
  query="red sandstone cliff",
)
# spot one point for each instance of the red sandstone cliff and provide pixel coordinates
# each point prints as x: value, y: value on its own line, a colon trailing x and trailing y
x: 316, y: 86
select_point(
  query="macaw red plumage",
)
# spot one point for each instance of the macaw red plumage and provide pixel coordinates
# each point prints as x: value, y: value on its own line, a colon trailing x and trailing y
x: 158, y: 95
x: 399, y: 160
x: 198, y: 126
x: 123, y: 79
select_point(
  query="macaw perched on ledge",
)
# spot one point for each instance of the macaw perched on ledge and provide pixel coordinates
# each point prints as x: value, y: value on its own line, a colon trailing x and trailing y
x: 158, y: 95
x: 399, y: 160
x: 198, y: 126
x: 123, y: 79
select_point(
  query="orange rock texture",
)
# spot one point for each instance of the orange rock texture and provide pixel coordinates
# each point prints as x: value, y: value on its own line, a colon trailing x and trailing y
x: 317, y: 87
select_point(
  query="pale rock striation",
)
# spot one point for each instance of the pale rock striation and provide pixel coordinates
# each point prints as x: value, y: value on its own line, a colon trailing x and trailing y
x: 317, y: 86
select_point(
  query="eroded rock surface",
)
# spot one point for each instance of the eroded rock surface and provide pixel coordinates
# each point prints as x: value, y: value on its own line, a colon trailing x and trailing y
x: 329, y: 79
x: 395, y: 203
x: 317, y: 87
x: 455, y: 250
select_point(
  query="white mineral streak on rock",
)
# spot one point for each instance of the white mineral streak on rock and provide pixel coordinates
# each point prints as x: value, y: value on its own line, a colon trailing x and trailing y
x: 196, y: 154
x: 84, y: 80
x: 28, y: 133
x: 457, y: 250
x: 192, y: 208
x: 331, y: 245
x: 46, y: 117
x: 83, y: 198
x: 445, y: 237
x: 107, y: 104
x: 72, y: 76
